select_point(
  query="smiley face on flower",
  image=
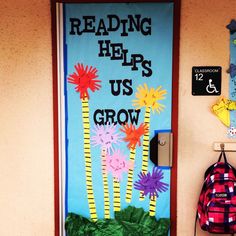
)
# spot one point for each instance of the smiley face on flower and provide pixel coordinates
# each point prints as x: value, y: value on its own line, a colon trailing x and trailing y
x: 117, y: 164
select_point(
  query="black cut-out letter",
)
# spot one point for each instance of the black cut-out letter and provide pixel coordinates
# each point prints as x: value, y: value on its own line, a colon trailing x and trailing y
x: 134, y: 119
x: 148, y: 29
x: 104, y: 48
x: 74, y: 26
x: 101, y: 27
x: 127, y: 83
x: 137, y: 58
x: 98, y: 120
x: 114, y: 91
x: 125, y: 115
x: 89, y: 27
x: 114, y: 22
x: 147, y: 72
x: 116, y: 49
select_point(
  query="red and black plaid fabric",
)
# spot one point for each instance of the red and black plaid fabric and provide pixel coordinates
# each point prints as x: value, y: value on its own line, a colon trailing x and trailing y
x: 217, y: 202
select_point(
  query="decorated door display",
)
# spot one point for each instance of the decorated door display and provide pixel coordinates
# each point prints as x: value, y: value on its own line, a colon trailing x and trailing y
x: 115, y: 93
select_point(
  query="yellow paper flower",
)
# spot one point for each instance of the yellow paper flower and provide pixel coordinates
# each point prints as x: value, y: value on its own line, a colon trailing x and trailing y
x: 149, y: 98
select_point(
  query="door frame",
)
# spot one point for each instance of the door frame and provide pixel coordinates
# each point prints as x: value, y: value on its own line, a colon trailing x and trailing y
x: 174, y: 114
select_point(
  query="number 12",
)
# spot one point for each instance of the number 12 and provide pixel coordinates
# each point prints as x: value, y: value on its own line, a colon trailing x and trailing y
x: 199, y: 76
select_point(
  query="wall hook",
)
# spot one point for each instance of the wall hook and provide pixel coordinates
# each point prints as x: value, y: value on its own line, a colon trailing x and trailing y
x: 222, y: 147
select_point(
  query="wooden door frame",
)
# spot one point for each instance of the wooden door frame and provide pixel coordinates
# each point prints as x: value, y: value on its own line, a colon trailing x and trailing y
x: 174, y: 122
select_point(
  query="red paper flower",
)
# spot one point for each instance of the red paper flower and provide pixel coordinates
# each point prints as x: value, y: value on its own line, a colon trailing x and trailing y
x: 84, y: 79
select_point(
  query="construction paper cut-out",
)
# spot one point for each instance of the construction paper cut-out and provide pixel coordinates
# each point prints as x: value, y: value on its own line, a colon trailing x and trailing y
x: 151, y: 184
x: 133, y: 137
x: 117, y: 164
x: 222, y: 110
x: 84, y: 79
x: 105, y: 186
x: 232, y: 70
x: 129, y: 221
x: 232, y: 26
x: 106, y: 137
x: 234, y: 41
x: 149, y: 99
x: 231, y: 132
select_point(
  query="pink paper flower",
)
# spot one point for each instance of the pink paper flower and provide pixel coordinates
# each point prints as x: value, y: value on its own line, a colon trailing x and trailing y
x: 117, y: 164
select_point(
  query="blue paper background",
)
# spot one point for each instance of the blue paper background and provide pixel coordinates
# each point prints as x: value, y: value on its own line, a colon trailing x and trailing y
x: 232, y: 81
x: 156, y: 47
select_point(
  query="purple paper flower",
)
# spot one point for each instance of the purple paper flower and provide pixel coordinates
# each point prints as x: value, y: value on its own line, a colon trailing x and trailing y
x: 150, y: 183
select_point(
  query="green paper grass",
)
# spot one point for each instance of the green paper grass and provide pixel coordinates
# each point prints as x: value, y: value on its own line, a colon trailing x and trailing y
x: 128, y: 222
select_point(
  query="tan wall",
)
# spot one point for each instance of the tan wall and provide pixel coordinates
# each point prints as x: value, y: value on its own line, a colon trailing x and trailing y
x: 26, y: 140
x: 204, y: 41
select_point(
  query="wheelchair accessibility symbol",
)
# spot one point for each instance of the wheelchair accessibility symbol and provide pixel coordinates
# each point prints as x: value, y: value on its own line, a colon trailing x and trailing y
x: 211, y: 88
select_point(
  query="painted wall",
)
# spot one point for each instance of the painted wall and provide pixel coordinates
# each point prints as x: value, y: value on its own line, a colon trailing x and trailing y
x: 26, y: 140
x: 204, y: 41
x: 26, y: 134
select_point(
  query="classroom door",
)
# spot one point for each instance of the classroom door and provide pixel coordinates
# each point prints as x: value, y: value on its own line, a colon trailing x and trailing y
x: 115, y: 93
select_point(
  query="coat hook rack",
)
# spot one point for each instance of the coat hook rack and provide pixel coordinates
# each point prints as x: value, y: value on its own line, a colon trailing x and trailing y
x: 224, y: 146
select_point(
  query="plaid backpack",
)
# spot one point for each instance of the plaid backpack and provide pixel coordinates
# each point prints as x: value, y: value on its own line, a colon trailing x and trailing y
x: 216, y: 210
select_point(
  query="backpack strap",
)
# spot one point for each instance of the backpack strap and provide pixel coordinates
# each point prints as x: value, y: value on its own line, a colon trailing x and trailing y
x: 208, y: 171
x: 222, y: 154
x: 225, y: 159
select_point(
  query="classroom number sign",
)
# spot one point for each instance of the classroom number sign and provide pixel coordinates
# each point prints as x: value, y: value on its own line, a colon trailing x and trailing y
x: 206, y: 80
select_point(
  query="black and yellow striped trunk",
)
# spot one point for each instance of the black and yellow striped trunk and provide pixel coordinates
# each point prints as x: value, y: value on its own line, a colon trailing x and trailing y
x: 145, y: 146
x: 116, y: 186
x: 105, y: 186
x: 88, y: 164
x: 130, y: 178
x: 152, y: 206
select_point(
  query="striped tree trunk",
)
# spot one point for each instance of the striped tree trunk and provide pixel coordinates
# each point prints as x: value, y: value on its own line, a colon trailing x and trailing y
x: 152, y: 206
x: 145, y: 146
x: 88, y: 164
x: 130, y: 177
x: 116, y: 186
x: 105, y: 186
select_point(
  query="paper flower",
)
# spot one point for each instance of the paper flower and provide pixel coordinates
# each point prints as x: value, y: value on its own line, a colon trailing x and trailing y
x: 117, y: 164
x: 105, y: 136
x: 149, y: 98
x: 133, y: 134
x: 151, y: 184
x: 84, y: 79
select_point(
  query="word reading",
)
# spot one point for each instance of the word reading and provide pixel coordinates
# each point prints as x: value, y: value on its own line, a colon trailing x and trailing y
x: 112, y: 23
